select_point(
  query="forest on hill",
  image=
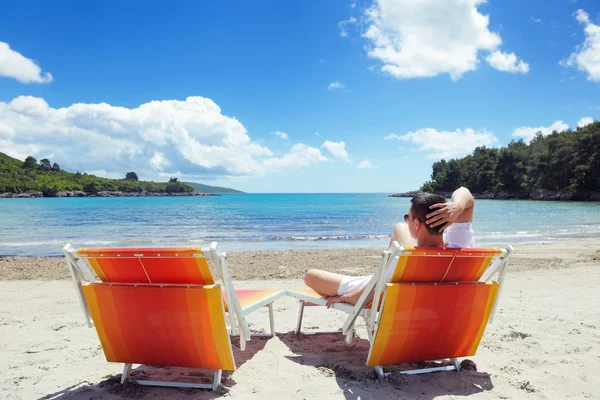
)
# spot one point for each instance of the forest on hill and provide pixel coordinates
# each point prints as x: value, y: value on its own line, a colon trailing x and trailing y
x: 31, y: 176
x: 562, y: 165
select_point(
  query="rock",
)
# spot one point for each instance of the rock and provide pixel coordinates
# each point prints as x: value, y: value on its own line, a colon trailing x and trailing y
x: 406, y: 194
x: 563, y: 195
x: 79, y: 193
x: 25, y: 195
x: 418, y: 192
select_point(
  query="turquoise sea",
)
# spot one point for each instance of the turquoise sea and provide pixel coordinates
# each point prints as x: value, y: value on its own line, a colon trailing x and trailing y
x: 40, y: 227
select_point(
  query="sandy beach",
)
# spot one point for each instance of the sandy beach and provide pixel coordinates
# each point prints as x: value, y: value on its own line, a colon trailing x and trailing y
x: 543, y: 344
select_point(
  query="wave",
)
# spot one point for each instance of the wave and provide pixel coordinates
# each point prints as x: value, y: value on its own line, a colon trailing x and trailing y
x: 329, y: 237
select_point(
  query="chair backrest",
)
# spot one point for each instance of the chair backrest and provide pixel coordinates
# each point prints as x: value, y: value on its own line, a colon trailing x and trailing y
x: 431, y: 321
x: 430, y: 264
x: 149, y: 265
x: 161, y: 324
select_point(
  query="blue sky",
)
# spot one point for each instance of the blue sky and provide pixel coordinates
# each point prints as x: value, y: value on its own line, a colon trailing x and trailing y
x: 199, y: 89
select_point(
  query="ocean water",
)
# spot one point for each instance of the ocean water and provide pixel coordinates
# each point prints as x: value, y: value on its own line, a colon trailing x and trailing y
x: 40, y: 227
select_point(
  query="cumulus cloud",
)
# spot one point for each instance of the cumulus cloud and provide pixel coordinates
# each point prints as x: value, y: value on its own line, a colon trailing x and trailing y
x: 365, y: 164
x: 429, y: 37
x: 155, y: 139
x: 282, y: 135
x: 337, y: 150
x: 335, y: 85
x: 447, y: 144
x: 14, y: 65
x: 343, y: 25
x: 527, y: 133
x: 299, y: 156
x: 586, y: 57
x: 585, y: 121
x: 158, y: 161
x: 507, y: 62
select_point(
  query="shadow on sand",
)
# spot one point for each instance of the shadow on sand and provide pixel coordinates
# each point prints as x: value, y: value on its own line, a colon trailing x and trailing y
x: 331, y: 356
x: 111, y: 387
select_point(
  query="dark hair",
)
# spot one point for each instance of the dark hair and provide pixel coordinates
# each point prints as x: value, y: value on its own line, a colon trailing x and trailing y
x: 420, y: 208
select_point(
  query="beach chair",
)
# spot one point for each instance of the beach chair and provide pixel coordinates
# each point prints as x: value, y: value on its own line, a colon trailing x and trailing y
x: 161, y: 306
x: 436, y: 306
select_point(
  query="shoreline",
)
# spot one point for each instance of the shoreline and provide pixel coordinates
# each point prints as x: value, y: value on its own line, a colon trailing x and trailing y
x: 376, y: 244
x: 292, y: 264
x: 76, y: 193
x: 539, y: 195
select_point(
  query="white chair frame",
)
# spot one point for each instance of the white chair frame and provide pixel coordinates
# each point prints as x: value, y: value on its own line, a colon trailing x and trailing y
x: 377, y: 285
x: 80, y: 272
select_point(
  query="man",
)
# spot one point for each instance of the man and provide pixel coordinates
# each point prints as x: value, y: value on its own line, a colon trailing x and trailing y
x: 428, y: 218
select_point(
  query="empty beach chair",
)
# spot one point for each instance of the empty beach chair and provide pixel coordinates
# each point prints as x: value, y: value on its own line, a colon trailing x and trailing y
x: 161, y: 306
x: 436, y: 306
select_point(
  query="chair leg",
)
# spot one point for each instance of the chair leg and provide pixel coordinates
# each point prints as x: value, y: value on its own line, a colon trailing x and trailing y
x: 242, y: 340
x: 300, y: 313
x: 350, y: 336
x: 456, y: 364
x: 271, y: 319
x: 126, y: 373
x: 217, y: 379
x: 379, y: 372
x: 233, y: 323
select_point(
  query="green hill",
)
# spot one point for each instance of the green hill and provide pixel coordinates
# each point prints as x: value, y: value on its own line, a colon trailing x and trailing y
x: 18, y: 176
x: 562, y: 165
x: 201, y: 188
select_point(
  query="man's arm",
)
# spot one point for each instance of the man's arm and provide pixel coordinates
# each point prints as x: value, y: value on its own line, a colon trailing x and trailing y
x: 458, y: 209
x: 463, y: 198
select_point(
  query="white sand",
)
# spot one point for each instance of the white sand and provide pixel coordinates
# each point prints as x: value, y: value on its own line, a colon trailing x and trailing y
x: 544, y: 343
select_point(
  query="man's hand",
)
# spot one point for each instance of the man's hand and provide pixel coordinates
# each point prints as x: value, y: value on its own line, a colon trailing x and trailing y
x: 348, y: 298
x: 336, y: 299
x: 445, y: 214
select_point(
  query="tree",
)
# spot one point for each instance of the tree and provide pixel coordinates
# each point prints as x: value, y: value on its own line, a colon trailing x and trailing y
x: 171, y: 180
x: 45, y: 164
x: 567, y: 161
x: 132, y: 176
x: 55, y: 167
x: 30, y: 163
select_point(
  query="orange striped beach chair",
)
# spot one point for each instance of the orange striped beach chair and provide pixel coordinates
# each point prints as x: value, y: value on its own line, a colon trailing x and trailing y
x: 436, y: 306
x: 162, y: 306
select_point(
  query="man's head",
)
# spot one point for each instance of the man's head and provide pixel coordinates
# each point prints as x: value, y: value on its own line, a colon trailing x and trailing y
x: 417, y: 215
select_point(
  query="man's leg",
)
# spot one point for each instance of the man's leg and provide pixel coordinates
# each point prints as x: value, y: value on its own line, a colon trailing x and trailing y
x: 401, y: 235
x: 323, y: 282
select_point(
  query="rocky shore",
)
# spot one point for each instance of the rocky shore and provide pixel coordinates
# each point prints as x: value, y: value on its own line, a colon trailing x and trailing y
x: 78, y: 193
x: 535, y: 195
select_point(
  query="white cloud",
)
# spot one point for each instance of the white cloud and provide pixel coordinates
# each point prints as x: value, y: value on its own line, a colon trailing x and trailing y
x: 585, y: 121
x: 527, y: 133
x: 429, y: 37
x: 335, y: 85
x: 317, y: 134
x: 337, y: 149
x: 282, y: 135
x: 343, y: 25
x: 192, y: 137
x: 300, y: 155
x: 158, y: 161
x: 507, y: 62
x: 365, y: 164
x: 447, y: 144
x: 536, y: 20
x: 15, y: 65
x: 586, y: 57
